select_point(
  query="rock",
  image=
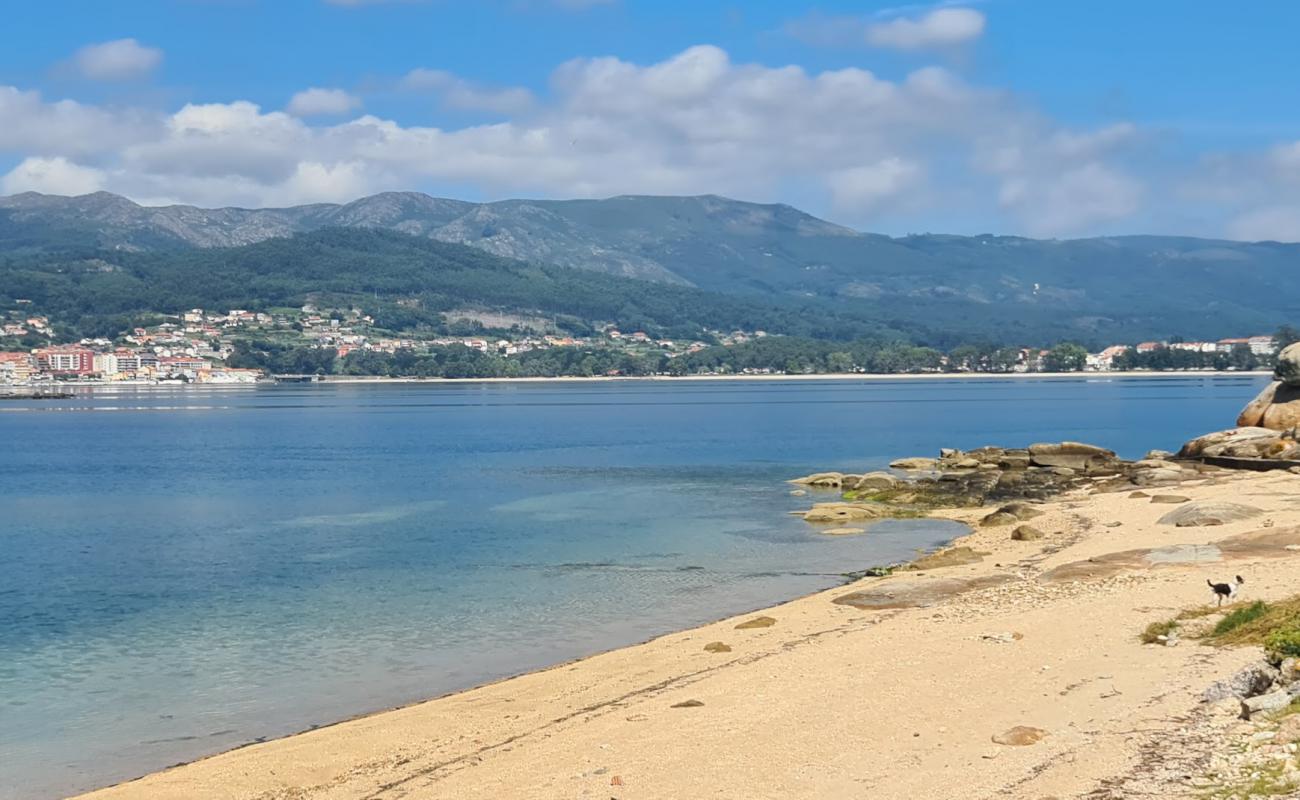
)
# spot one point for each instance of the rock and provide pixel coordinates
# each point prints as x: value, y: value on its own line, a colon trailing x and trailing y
x: 829, y: 480
x: 1020, y: 736
x: 914, y: 463
x: 952, y: 557
x: 998, y: 518
x: 1169, y: 498
x: 687, y: 704
x: 1114, y: 524
x: 1021, y: 511
x: 1026, y: 533
x: 1286, y: 671
x: 798, y: 492
x: 1070, y: 449
x: 844, y: 512
x: 1288, y: 365
x: 1160, y: 455
x: 717, y: 647
x: 1155, y: 463
x: 1249, y: 681
x: 872, y: 482
x: 756, y: 622
x: 842, y: 531
x: 1077, y: 463
x: 1014, y: 462
x: 948, y: 452
x: 1005, y: 637
x: 1264, y: 703
x: 1156, y: 477
x: 1277, y: 407
x: 1243, y: 442
x: 967, y: 463
x: 1208, y: 512
x: 1138, y: 494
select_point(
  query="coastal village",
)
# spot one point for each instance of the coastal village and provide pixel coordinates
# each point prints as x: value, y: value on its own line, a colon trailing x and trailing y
x: 196, y: 347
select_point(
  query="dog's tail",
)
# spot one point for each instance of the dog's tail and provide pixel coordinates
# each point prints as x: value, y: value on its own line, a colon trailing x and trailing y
x: 1209, y: 583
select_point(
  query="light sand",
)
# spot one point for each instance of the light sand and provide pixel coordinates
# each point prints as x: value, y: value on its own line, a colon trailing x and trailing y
x: 834, y: 701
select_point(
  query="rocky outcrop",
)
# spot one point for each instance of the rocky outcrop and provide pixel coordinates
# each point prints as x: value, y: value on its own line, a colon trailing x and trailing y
x: 1277, y: 408
x: 1287, y: 370
x: 839, y: 480
x: 1244, y: 443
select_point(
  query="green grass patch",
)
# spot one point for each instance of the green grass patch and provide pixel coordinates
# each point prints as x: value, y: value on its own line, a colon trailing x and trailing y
x: 1241, y: 616
x: 1273, y: 626
x: 1155, y: 630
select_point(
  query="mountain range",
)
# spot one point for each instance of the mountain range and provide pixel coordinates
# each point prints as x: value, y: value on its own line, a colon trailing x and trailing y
x: 1093, y: 289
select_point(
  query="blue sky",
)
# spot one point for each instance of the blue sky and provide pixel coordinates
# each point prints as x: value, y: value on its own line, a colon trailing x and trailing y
x: 1011, y: 116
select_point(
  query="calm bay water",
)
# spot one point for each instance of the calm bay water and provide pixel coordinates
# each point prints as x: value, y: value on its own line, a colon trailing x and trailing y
x: 182, y: 571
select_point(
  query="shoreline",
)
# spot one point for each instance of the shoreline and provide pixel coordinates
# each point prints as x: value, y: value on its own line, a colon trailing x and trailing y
x: 839, y: 377
x: 575, y: 715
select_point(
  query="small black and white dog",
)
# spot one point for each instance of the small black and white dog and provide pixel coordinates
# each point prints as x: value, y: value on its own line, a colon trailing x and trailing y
x: 1225, y: 591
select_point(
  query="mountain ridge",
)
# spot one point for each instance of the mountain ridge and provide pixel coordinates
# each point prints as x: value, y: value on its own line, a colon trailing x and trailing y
x: 1145, y: 285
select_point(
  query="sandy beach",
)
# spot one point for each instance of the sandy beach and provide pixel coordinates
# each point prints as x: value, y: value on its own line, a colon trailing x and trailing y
x: 896, y: 690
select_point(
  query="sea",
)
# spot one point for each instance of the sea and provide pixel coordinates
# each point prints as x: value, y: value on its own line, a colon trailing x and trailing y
x: 184, y: 570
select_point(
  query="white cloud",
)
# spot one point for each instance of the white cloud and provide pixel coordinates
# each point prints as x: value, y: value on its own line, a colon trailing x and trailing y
x: 317, y: 102
x: 52, y: 176
x: 941, y: 27
x: 458, y: 93
x: 695, y: 123
x: 121, y: 59
x: 1077, y: 198
x: 871, y: 186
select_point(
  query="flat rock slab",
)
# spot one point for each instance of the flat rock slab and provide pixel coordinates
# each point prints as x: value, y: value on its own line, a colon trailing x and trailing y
x: 1020, y: 736
x: 952, y: 557
x: 1206, y: 513
x: 1266, y: 543
x: 1170, y: 498
x: 1185, y: 554
x: 917, y: 593
x: 842, y: 531
x: 756, y: 622
x: 717, y: 647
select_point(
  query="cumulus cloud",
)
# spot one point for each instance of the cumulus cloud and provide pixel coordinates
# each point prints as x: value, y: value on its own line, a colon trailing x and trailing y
x: 121, y: 59
x: 458, y: 93
x: 941, y: 27
x: 55, y: 175
x: 1259, y: 192
x: 318, y: 102
x: 871, y: 186
x: 845, y: 140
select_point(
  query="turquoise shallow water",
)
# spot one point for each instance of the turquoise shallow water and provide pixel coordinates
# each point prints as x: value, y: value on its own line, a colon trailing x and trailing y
x: 187, y: 570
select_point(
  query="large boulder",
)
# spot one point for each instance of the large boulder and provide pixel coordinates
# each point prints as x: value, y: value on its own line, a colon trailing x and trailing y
x: 1277, y: 408
x: 1288, y: 365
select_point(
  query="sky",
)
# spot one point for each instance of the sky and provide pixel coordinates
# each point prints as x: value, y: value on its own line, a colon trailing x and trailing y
x: 1046, y: 118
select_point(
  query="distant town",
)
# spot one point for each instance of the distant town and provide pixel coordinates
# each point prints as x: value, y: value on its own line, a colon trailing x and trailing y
x: 203, y: 347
